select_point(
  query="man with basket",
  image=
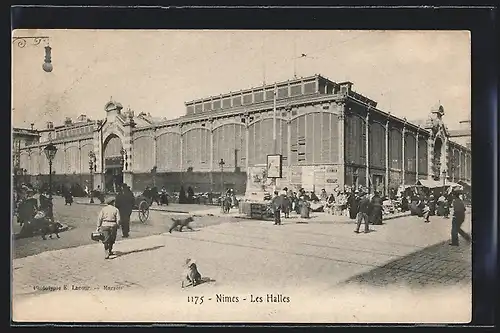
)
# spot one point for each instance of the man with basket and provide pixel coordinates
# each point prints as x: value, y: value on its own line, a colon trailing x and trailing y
x: 108, y: 222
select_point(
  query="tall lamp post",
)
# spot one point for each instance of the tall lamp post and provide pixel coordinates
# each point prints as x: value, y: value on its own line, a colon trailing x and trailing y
x: 221, y: 164
x: 91, y: 169
x: 50, y: 152
x: 122, y: 163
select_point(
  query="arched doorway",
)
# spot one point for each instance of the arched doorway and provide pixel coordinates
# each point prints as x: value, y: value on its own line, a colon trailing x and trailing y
x: 436, y: 163
x: 113, y: 163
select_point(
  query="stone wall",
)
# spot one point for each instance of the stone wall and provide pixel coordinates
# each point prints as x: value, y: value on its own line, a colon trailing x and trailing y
x: 199, y: 181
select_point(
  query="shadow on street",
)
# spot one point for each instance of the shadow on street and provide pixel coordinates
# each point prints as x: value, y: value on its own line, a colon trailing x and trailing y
x: 119, y: 253
x: 436, y: 265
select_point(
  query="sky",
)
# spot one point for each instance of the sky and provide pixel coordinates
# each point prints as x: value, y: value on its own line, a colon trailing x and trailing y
x: 156, y: 71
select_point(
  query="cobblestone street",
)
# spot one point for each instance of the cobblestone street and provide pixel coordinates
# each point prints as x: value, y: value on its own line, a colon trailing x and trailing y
x: 437, y: 265
x: 243, y: 258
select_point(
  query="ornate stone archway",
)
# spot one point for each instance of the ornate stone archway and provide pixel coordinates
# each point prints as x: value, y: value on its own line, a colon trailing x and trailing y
x: 112, y: 162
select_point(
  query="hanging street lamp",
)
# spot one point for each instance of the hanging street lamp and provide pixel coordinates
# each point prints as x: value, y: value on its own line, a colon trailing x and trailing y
x: 21, y: 42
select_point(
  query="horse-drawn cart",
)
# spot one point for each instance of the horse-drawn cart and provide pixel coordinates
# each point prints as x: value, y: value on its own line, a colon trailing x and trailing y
x: 141, y: 206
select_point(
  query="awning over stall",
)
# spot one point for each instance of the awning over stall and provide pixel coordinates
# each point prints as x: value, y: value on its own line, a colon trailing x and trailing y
x: 435, y: 183
x: 464, y: 183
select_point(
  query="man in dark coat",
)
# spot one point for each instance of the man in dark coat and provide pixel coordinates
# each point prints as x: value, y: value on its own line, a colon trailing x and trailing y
x: 68, y: 195
x: 125, y: 202
x: 364, y: 209
x: 352, y: 203
x: 285, y: 202
x: 457, y: 220
x: 376, y: 209
x: 277, y: 204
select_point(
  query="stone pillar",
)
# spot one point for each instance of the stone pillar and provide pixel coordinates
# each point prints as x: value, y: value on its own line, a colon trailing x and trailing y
x: 247, y: 145
x: 212, y: 154
x: 444, y: 158
x: 289, y: 146
x: 342, y: 166
x: 460, y: 171
x: 79, y: 169
x: 367, y: 149
x: 128, y: 175
x: 403, y: 160
x: 64, y: 159
x: 99, y: 163
x: 387, y: 155
x: 182, y: 154
x: 430, y: 157
x: 40, y: 156
x: 28, y: 167
x: 416, y: 156
x: 155, y: 145
x: 155, y: 157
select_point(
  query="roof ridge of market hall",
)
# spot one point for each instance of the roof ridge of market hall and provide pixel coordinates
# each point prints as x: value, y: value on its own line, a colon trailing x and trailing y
x: 321, y: 130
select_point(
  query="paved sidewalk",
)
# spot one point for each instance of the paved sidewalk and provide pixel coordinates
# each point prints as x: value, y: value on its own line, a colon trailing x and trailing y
x: 306, y: 261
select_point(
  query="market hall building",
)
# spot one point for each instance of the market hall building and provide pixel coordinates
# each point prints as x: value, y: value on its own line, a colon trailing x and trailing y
x: 328, y: 134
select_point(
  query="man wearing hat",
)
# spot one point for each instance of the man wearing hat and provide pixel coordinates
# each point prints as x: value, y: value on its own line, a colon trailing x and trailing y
x: 364, y: 209
x: 458, y: 219
x: 107, y: 223
x: 125, y: 202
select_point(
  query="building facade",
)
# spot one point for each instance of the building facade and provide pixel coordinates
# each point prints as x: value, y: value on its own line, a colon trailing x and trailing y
x: 328, y: 134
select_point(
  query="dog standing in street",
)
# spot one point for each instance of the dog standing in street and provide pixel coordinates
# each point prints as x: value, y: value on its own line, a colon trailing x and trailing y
x: 181, y: 223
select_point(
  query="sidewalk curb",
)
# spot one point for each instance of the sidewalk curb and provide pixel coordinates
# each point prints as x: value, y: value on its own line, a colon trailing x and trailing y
x: 384, y: 218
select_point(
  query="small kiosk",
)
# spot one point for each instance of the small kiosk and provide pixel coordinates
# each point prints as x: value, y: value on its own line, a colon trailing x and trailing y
x: 261, y: 183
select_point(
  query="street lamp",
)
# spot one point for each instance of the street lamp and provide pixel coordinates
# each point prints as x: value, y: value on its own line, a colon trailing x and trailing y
x: 21, y: 42
x: 91, y: 169
x: 221, y: 164
x: 50, y: 152
x: 124, y: 163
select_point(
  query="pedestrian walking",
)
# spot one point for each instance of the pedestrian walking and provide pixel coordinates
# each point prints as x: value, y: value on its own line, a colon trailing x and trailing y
x: 108, y: 222
x: 426, y: 211
x: 68, y: 195
x: 364, y: 209
x: 276, y: 204
x: 125, y: 203
x: 457, y: 220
